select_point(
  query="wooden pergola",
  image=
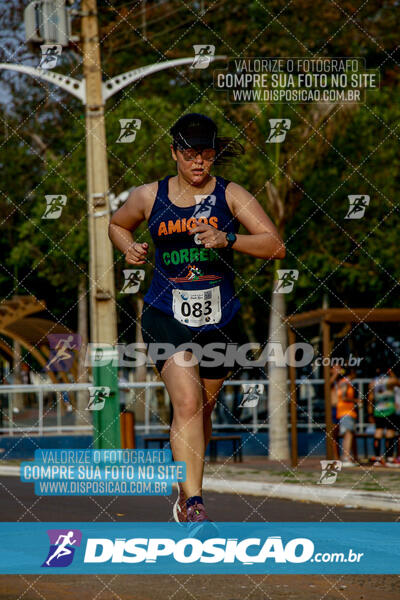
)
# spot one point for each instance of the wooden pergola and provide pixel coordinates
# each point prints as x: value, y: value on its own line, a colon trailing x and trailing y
x: 17, y: 323
x: 325, y: 318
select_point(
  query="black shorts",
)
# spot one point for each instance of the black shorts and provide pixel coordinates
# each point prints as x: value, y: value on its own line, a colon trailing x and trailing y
x: 386, y: 422
x: 158, y: 327
x: 394, y: 423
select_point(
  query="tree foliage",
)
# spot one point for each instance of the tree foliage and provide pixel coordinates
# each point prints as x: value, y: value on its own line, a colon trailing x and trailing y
x: 329, y: 153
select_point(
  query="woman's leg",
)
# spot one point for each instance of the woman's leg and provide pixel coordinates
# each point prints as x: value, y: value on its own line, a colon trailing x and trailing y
x: 211, y: 389
x: 389, y: 443
x: 347, y: 440
x: 186, y: 434
x: 377, y: 443
x: 335, y: 436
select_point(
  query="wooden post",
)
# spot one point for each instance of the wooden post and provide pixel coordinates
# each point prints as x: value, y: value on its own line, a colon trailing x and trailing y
x: 130, y: 430
x: 127, y: 423
x: 293, y: 403
x: 123, y: 429
x: 326, y: 351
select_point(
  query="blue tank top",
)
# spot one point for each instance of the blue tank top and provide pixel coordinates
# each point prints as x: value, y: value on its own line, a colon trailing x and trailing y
x: 190, y: 282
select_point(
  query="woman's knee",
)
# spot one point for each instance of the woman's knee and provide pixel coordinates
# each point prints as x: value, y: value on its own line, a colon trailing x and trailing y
x: 187, y: 406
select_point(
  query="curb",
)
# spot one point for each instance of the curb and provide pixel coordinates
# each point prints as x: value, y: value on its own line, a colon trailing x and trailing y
x: 10, y: 470
x: 335, y: 496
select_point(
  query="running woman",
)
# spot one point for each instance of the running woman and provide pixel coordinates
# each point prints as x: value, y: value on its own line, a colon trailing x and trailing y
x: 193, y: 218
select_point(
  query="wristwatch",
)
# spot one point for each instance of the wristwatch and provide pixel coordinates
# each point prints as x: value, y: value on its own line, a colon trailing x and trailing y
x: 231, y: 239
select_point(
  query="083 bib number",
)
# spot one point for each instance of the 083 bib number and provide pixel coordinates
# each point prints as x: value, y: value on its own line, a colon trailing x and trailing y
x: 197, y: 307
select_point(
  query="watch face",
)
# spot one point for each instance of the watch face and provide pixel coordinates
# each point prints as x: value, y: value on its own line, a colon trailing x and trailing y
x: 231, y: 237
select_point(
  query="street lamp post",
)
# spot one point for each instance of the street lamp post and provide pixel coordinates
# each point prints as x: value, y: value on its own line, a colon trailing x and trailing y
x: 103, y: 310
x: 103, y: 314
x: 93, y: 93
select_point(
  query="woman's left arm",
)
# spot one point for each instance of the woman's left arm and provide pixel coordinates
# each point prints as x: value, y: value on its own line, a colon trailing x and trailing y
x: 264, y: 240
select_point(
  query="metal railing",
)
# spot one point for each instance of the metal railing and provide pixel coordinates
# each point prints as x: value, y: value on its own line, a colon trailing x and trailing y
x: 310, y: 407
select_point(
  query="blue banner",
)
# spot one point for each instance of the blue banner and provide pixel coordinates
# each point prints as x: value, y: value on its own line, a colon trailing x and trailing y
x: 211, y: 548
x: 58, y: 472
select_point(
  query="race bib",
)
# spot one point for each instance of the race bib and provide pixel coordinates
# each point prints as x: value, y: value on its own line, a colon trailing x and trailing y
x: 197, y: 307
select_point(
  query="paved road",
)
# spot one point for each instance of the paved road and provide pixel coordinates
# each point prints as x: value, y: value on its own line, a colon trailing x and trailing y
x: 18, y: 503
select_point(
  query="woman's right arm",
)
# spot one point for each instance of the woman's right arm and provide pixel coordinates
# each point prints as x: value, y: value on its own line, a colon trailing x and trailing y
x: 125, y: 220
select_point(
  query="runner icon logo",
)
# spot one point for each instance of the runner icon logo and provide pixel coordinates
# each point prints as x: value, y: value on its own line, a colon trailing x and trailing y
x: 279, y: 129
x: 251, y: 395
x: 62, y: 348
x: 330, y: 470
x: 54, y: 206
x: 357, y: 206
x: 133, y: 278
x: 203, y: 54
x: 196, y: 274
x: 129, y: 128
x: 286, y: 281
x: 50, y: 54
x: 204, y: 205
x: 62, y: 550
x: 98, y: 397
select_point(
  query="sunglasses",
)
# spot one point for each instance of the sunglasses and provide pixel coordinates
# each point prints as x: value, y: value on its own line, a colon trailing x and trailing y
x: 191, y: 153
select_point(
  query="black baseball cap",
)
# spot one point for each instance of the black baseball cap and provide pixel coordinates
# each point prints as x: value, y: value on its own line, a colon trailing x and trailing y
x: 194, y: 130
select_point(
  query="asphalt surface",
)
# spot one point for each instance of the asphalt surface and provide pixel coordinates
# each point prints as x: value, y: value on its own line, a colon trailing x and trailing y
x: 18, y: 503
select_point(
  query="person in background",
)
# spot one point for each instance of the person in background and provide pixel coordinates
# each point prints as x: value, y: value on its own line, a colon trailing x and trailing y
x: 382, y: 410
x: 346, y: 413
x: 397, y: 422
x: 336, y: 374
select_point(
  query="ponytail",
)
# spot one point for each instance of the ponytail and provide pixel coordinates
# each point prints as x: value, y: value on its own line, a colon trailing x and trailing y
x: 227, y: 149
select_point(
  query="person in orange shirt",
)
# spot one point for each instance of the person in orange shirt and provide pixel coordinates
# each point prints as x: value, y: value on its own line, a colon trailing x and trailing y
x: 336, y: 374
x: 346, y: 413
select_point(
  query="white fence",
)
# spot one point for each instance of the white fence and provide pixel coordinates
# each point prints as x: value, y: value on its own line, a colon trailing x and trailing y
x: 48, y: 413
